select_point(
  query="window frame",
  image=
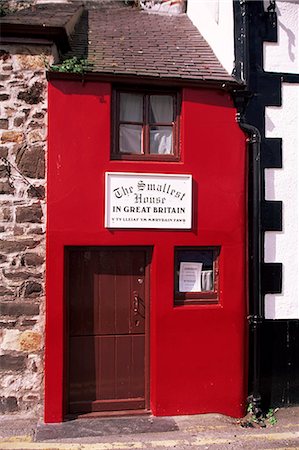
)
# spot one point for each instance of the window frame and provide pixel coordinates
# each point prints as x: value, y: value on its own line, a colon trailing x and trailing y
x: 116, y: 122
x: 200, y: 297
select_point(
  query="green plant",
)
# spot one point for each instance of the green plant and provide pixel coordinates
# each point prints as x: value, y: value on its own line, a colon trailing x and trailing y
x: 73, y: 65
x: 270, y: 416
x: 261, y: 420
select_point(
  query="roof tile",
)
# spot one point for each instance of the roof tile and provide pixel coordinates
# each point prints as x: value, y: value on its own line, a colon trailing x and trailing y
x: 119, y: 39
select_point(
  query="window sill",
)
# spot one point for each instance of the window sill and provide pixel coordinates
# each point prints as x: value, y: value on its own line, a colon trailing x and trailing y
x: 196, y: 298
x: 158, y: 158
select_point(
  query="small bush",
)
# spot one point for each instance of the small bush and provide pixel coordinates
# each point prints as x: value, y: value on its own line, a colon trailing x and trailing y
x: 72, y: 65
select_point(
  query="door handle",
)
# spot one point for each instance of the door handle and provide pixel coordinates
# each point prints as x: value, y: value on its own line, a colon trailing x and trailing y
x: 135, y: 303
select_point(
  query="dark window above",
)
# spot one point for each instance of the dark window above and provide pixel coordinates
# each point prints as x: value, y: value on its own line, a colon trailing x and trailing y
x: 145, y: 125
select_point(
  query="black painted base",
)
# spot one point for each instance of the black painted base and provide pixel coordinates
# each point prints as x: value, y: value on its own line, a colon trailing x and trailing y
x: 279, y: 363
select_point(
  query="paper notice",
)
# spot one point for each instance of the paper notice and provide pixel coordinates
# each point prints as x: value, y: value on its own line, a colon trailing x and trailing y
x: 190, y: 277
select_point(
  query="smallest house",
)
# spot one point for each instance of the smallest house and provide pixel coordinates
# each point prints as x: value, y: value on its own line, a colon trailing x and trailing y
x: 145, y: 296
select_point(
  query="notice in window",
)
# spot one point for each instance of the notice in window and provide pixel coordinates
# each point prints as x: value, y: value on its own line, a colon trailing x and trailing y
x: 190, y: 277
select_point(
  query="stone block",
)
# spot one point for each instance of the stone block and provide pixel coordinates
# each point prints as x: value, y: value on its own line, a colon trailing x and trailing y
x: 30, y: 341
x: 33, y: 259
x: 7, y: 67
x: 3, y: 259
x: 3, y: 124
x: 38, y: 231
x: 3, y: 152
x: 33, y: 95
x: 26, y: 111
x: 31, y: 162
x: 12, y: 136
x: 32, y: 289
x: 31, y: 214
x: 18, y: 309
x: 34, y: 136
x: 6, y: 292
x: 5, y: 215
x: 11, y: 340
x: 18, y: 121
x: 34, y: 125
x: 4, y: 170
x: 31, y: 62
x: 18, y: 231
x: 36, y: 192
x: 38, y: 115
x: 18, y: 275
x: 4, y: 97
x: 10, y: 111
x: 10, y: 362
x: 8, y: 323
x: 8, y: 405
x: 27, y: 323
x: 4, y: 55
x: 6, y: 187
x: 17, y: 246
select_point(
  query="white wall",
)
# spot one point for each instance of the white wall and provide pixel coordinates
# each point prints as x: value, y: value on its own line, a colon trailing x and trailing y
x: 283, y: 56
x: 282, y: 184
x: 214, y: 19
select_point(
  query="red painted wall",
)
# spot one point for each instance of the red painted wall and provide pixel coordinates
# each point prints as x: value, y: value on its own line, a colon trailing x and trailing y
x: 198, y: 353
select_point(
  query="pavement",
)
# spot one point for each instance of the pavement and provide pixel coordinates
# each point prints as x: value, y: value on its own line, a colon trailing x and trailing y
x: 202, y: 432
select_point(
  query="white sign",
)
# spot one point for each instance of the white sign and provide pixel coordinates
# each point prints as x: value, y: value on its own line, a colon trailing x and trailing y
x: 190, y: 277
x: 144, y: 200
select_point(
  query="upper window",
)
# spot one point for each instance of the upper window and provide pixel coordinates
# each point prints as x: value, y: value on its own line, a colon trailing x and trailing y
x: 145, y: 125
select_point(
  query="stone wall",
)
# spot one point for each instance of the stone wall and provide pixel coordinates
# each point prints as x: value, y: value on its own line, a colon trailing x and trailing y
x: 23, y: 112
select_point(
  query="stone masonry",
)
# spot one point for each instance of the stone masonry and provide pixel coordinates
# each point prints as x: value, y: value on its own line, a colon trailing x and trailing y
x: 23, y: 115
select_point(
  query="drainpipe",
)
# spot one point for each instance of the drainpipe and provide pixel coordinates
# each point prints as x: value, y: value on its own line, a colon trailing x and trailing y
x: 255, y: 257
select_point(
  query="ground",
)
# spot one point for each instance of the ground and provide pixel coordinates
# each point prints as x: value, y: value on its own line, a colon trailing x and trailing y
x: 209, y: 431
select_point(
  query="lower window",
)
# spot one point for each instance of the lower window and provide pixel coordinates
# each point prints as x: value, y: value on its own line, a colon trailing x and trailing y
x: 196, y: 277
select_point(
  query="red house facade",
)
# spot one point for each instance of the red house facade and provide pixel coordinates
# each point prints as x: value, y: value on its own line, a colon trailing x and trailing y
x: 119, y: 335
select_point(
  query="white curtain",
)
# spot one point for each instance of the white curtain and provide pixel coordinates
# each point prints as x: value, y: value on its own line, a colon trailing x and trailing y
x: 130, y: 138
x: 161, y: 109
x: 161, y: 140
x: 131, y: 107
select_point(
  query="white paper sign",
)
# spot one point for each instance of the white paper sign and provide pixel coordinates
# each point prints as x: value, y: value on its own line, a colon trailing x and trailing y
x: 143, y: 200
x: 190, y: 277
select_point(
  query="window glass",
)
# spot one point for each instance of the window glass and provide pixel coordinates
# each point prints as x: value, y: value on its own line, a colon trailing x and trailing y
x: 161, y: 140
x: 195, y: 270
x: 196, y: 275
x: 130, y: 138
x: 161, y: 109
x: 146, y: 125
x: 131, y: 107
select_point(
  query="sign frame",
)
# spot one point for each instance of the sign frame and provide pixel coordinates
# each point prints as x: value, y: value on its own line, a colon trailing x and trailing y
x: 136, y: 200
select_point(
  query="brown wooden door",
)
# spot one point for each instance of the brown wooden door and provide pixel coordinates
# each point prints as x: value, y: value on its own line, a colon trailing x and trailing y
x: 107, y: 298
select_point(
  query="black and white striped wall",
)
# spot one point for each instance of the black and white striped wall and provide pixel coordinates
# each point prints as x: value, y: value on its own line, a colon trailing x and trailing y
x: 259, y: 42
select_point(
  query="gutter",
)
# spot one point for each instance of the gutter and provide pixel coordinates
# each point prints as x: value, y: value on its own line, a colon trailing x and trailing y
x: 255, y: 317
x: 119, y: 78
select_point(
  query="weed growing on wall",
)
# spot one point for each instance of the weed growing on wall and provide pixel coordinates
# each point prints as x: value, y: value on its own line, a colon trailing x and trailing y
x: 72, y: 65
x: 251, y: 420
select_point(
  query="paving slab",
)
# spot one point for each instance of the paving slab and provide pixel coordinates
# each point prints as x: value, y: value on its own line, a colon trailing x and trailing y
x: 111, y: 426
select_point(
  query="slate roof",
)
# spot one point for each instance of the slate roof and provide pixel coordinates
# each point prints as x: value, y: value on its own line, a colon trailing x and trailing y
x: 123, y: 40
x: 56, y: 22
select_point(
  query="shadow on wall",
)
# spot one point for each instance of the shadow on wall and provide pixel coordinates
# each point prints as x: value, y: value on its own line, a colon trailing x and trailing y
x: 290, y: 36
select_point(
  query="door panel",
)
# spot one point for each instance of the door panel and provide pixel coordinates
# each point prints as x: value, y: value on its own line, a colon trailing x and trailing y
x: 107, y: 324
